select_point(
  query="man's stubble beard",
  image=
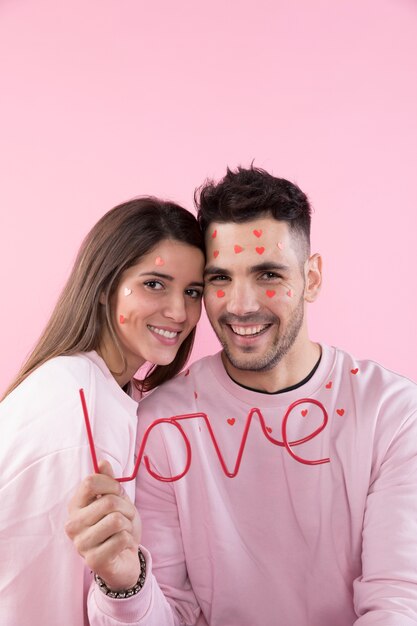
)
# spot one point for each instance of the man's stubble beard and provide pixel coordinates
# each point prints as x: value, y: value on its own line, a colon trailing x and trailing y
x: 279, y: 348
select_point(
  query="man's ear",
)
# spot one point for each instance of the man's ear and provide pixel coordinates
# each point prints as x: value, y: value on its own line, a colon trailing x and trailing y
x: 313, y: 277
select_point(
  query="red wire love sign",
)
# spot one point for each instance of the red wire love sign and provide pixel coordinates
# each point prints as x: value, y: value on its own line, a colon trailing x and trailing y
x: 174, y: 421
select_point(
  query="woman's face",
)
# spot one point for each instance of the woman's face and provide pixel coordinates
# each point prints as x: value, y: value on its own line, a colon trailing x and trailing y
x: 156, y: 305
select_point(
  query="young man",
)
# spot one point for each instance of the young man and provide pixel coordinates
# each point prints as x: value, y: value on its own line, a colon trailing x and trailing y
x: 299, y: 506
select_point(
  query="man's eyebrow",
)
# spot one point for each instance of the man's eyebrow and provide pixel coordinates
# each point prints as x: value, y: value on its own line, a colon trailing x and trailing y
x: 210, y: 270
x: 267, y: 266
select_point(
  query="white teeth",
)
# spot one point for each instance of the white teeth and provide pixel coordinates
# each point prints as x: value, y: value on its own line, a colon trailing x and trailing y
x: 165, y: 333
x: 248, y: 330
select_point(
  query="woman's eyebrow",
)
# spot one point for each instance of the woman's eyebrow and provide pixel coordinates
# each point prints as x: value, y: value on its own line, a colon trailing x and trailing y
x: 194, y: 283
x: 157, y: 274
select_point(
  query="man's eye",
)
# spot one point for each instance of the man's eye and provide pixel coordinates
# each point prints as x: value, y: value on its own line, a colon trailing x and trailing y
x: 218, y: 278
x: 153, y: 284
x: 269, y: 276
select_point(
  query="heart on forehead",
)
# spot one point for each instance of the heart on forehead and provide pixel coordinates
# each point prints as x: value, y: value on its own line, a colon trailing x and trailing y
x: 257, y: 233
x: 159, y: 261
x: 237, y: 248
x: 214, y: 234
x: 260, y: 250
x: 215, y: 254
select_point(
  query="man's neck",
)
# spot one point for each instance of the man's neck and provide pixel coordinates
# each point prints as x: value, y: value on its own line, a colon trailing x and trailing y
x: 291, y: 370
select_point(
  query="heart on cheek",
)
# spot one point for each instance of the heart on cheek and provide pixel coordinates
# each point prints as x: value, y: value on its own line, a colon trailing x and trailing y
x: 220, y: 293
x: 127, y: 291
x: 122, y: 319
x: 270, y: 293
x: 290, y: 293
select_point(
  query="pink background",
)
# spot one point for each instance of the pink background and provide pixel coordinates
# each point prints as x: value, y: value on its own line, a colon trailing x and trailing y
x: 102, y: 100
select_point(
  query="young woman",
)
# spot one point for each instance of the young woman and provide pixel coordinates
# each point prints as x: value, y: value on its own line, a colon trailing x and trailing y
x: 134, y: 296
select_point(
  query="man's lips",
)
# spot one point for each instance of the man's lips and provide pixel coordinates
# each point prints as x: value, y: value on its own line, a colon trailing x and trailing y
x: 248, y: 331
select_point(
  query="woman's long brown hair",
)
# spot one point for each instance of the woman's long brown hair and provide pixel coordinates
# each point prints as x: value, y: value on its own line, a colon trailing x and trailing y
x: 118, y: 240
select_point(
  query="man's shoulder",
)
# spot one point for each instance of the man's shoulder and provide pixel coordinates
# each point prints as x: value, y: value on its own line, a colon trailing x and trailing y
x: 179, y: 392
x: 368, y: 378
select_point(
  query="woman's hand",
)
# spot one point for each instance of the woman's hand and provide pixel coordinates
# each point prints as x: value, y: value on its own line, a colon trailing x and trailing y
x: 105, y: 527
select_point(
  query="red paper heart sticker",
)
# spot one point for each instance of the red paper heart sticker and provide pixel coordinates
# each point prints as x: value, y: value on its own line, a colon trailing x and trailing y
x: 270, y: 293
x: 216, y: 254
x: 214, y: 234
x: 355, y: 371
x: 257, y: 233
x: 237, y: 249
x: 329, y: 385
x: 231, y: 421
x: 220, y: 293
x: 340, y: 411
x: 122, y: 319
x: 260, y: 250
x: 304, y: 412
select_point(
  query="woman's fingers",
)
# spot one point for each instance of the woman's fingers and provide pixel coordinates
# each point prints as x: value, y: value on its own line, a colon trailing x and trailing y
x: 89, y: 515
x: 105, y: 528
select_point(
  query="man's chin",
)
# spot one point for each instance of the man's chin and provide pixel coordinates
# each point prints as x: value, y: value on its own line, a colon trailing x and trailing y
x: 250, y: 362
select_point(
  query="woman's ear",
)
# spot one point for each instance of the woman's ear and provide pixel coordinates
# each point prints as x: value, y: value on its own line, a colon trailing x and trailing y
x: 313, y: 277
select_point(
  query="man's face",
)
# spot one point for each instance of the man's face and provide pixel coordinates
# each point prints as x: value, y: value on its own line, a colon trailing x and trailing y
x: 255, y: 291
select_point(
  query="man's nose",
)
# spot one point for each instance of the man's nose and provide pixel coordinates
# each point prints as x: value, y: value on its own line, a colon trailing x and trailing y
x: 242, y: 299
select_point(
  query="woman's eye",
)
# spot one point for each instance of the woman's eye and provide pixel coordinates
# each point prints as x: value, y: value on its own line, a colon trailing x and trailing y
x: 194, y: 293
x: 154, y: 284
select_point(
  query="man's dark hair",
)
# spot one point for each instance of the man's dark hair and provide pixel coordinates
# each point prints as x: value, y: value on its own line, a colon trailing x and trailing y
x: 247, y: 194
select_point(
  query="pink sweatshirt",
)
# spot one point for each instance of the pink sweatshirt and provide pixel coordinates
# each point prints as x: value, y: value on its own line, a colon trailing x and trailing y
x: 44, y: 455
x: 284, y: 543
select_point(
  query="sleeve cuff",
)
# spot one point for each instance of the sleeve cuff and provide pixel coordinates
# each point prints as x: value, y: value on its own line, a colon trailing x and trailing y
x: 127, y: 610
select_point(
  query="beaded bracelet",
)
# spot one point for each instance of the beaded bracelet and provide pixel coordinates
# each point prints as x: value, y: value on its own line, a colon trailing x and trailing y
x: 124, y: 593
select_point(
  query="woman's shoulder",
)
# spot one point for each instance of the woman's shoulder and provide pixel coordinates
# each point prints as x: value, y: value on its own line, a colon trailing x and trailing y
x: 58, y: 376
